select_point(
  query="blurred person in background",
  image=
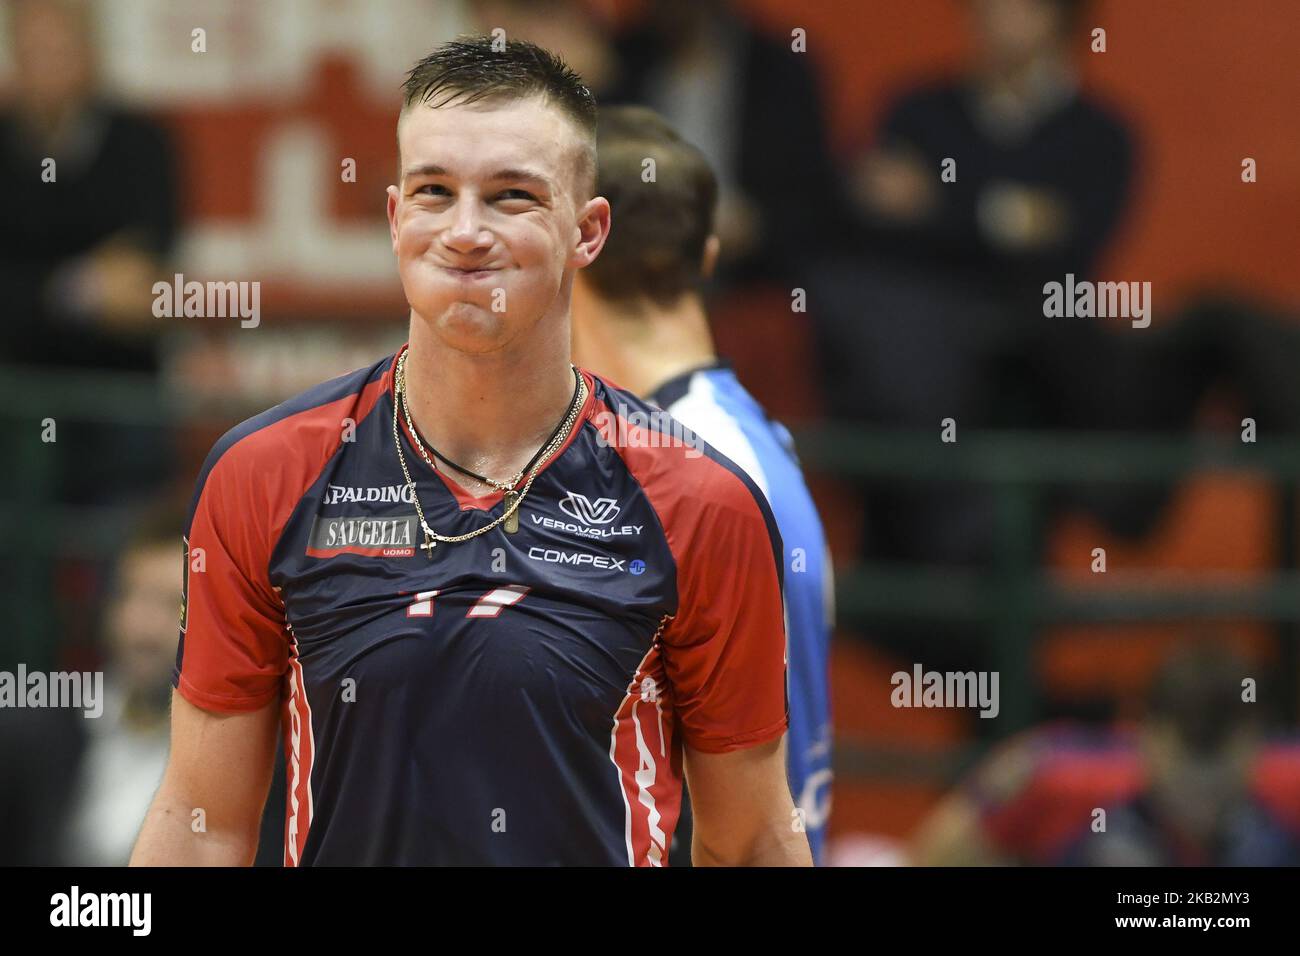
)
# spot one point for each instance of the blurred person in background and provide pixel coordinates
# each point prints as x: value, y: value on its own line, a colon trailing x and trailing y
x: 79, y: 253
x: 753, y: 107
x: 88, y: 202
x: 934, y: 311
x: 75, y: 789
x: 639, y: 318
x: 1041, y: 174
x: 938, y: 311
x: 1196, y: 783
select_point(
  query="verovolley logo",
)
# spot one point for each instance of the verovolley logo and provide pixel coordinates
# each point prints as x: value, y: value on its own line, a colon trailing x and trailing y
x: 73, y: 690
x: 585, y: 530
x: 600, y: 511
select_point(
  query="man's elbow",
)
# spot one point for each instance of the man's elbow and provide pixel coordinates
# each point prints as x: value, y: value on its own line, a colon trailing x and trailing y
x: 778, y: 842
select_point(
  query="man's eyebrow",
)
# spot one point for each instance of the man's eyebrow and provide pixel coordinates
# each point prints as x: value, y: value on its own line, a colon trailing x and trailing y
x: 522, y: 175
x: 428, y: 169
x: 514, y: 174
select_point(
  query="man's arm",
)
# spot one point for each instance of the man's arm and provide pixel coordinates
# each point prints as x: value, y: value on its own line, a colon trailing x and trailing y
x: 220, y: 764
x: 744, y: 814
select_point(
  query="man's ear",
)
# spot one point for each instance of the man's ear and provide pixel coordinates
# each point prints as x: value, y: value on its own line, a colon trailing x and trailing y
x: 393, y: 197
x: 709, y: 261
x: 593, y: 230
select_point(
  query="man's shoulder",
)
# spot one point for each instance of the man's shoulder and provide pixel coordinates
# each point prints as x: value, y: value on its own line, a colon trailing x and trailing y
x: 301, y: 429
x: 682, y: 472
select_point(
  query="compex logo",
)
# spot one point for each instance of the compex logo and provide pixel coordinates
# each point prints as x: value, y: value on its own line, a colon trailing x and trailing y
x: 600, y: 511
x: 578, y: 558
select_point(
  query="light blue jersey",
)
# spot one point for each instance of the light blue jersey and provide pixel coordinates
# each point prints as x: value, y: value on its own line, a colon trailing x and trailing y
x: 712, y: 403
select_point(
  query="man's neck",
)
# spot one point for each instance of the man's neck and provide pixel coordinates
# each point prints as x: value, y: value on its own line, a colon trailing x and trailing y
x: 642, y: 349
x: 489, y: 412
x: 1038, y: 76
x: 1010, y: 102
x: 51, y: 128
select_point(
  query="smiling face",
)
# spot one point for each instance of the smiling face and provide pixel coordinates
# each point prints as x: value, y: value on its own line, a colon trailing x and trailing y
x: 488, y: 222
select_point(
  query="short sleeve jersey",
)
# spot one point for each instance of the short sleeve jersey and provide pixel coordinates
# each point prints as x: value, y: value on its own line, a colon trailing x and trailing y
x: 516, y: 698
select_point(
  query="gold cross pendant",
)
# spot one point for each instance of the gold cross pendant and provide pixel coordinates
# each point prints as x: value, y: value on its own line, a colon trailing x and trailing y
x: 429, y: 544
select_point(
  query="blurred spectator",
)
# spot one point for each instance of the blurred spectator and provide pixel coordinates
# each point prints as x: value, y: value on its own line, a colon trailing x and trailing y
x: 79, y: 253
x: 77, y: 788
x: 935, y: 311
x: 88, y: 202
x: 84, y: 238
x: 753, y: 107
x: 1041, y: 172
x: 73, y: 789
x: 1194, y: 784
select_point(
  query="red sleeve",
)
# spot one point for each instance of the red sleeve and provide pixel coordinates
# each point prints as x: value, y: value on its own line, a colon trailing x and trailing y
x: 235, y: 642
x: 724, y: 651
x: 234, y: 649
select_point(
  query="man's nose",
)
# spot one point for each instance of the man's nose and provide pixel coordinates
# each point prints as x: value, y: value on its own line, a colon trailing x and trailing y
x: 467, y: 231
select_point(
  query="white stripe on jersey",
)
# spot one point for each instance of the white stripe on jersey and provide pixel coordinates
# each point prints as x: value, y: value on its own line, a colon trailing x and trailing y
x: 700, y: 411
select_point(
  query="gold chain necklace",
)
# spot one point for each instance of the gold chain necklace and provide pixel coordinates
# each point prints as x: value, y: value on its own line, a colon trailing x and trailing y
x: 513, y: 499
x: 557, y: 436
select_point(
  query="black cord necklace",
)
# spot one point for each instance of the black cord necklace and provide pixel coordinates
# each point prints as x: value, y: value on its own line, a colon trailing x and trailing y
x: 501, y: 485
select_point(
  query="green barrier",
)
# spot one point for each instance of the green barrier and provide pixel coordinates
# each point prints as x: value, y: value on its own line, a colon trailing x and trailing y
x: 1013, y: 596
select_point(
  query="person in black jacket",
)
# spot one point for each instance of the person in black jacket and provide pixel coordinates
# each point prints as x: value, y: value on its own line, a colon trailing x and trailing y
x: 88, y: 198
x: 88, y: 203
x: 976, y: 190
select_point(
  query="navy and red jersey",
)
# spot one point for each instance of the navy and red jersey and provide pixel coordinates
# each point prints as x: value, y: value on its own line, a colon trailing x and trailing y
x: 516, y: 698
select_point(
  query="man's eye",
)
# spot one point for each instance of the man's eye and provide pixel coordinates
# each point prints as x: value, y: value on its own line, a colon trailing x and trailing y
x: 516, y: 194
x: 433, y: 189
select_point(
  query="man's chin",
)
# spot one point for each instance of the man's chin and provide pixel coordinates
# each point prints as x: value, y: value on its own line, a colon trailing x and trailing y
x: 466, y: 327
